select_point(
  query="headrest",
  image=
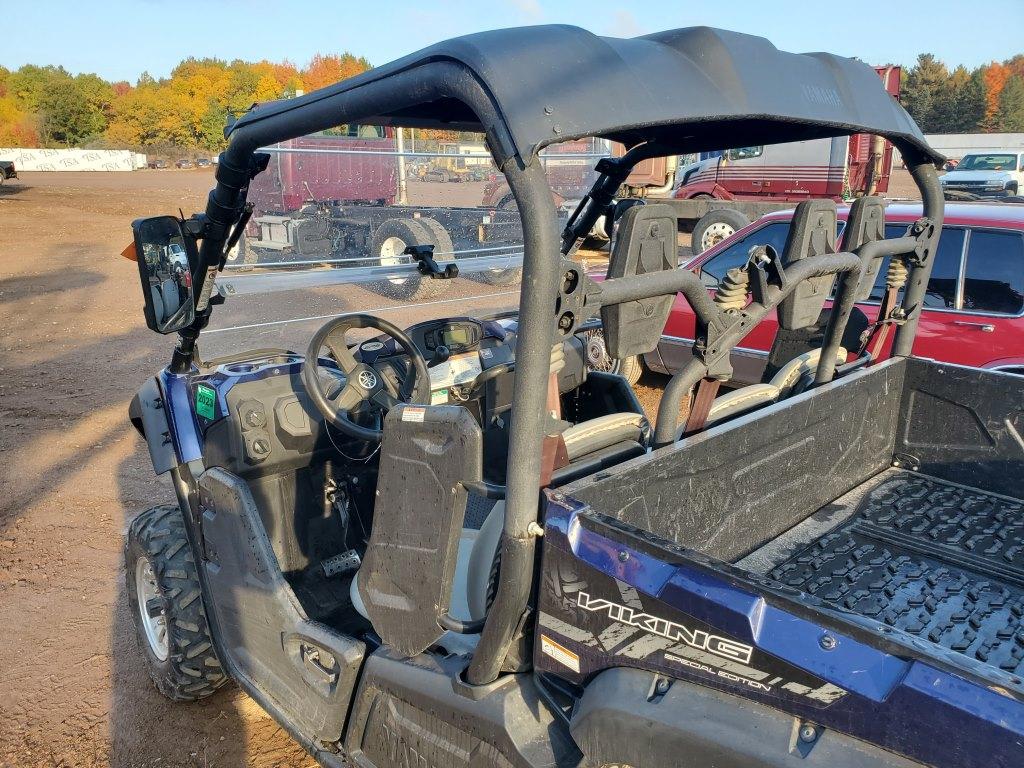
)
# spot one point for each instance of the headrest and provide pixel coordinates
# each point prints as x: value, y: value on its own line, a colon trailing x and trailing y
x: 645, y: 242
x: 812, y: 233
x: 865, y: 223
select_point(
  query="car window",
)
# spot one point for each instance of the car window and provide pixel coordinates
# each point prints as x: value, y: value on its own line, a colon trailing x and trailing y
x: 994, y: 276
x: 988, y: 162
x: 714, y: 269
x: 941, y: 292
x: 745, y: 153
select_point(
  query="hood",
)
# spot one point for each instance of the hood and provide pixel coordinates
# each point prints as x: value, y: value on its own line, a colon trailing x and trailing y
x: 956, y: 176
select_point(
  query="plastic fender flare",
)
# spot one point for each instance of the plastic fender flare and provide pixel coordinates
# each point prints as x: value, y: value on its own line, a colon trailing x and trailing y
x: 149, y: 416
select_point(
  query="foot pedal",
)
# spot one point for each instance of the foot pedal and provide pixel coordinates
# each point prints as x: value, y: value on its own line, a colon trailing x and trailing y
x: 340, y: 565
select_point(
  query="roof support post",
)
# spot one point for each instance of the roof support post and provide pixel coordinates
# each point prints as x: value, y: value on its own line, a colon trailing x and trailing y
x: 541, y: 269
x: 923, y: 171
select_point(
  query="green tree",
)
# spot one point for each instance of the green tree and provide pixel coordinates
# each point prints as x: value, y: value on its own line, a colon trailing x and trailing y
x: 71, y: 112
x: 30, y: 83
x: 923, y: 91
x: 971, y: 103
x: 1010, y: 116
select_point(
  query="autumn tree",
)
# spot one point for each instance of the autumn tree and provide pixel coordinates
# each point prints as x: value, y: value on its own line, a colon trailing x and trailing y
x: 995, y: 76
x: 327, y: 70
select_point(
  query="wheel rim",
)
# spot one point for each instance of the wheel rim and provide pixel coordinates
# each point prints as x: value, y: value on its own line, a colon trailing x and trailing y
x: 391, y: 252
x: 598, y: 358
x: 155, y: 627
x: 715, y: 234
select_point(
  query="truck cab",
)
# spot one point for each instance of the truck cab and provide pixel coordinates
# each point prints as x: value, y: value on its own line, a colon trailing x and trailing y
x: 991, y: 174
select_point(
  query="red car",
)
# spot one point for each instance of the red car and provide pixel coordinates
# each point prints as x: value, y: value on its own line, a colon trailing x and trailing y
x: 973, y: 313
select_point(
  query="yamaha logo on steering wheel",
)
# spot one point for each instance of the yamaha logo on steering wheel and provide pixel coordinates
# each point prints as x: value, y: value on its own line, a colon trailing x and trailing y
x: 367, y: 379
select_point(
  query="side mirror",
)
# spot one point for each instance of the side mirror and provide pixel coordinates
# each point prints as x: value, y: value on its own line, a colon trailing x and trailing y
x: 162, y: 252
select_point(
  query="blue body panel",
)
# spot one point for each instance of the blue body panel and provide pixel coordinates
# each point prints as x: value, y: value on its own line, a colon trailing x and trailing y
x: 900, y: 703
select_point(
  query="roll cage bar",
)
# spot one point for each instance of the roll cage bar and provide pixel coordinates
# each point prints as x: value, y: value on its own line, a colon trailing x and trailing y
x: 444, y: 82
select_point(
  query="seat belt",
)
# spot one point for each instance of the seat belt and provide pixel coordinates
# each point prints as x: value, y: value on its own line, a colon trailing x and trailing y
x: 696, y: 418
x: 554, y: 455
x: 880, y: 333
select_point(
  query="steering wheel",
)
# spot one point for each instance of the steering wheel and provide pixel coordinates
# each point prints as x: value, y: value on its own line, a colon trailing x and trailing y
x: 363, y: 382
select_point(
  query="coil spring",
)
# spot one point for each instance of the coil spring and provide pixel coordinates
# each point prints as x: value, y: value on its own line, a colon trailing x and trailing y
x: 733, y: 290
x: 896, y: 275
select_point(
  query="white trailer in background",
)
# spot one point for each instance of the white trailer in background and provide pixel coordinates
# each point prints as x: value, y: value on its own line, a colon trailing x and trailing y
x: 72, y: 159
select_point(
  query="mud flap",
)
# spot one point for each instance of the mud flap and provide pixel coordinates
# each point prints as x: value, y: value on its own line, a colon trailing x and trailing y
x: 307, y: 671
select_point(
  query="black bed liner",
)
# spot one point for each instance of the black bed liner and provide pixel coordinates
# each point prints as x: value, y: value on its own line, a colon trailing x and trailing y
x: 941, y: 561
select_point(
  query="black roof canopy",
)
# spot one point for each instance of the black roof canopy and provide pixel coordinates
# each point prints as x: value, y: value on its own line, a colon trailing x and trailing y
x: 690, y: 89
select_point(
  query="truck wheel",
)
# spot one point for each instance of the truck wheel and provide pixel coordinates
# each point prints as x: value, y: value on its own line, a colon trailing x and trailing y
x: 512, y: 275
x: 714, y: 226
x: 167, y: 607
x: 242, y: 254
x: 630, y: 368
x: 389, y: 243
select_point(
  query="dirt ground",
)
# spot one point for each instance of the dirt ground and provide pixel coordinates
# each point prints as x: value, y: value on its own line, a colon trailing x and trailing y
x: 73, y: 350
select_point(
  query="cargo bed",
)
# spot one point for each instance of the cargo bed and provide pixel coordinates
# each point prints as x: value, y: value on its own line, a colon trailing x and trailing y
x: 892, y: 497
x: 936, y: 559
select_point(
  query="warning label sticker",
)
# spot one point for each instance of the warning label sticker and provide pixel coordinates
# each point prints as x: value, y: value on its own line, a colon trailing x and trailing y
x: 559, y: 653
x: 413, y: 413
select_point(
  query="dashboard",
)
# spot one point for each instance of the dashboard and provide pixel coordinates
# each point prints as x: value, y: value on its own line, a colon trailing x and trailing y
x: 473, y: 347
x: 254, y: 414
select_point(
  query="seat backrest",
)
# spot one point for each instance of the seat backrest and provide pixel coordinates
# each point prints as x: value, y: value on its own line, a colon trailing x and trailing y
x: 812, y: 233
x: 644, y: 242
x: 405, y: 581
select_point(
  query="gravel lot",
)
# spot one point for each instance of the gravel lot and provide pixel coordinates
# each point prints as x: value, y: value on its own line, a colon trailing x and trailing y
x: 73, y: 349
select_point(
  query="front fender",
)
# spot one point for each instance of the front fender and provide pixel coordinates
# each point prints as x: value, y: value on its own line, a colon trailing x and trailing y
x: 148, y: 414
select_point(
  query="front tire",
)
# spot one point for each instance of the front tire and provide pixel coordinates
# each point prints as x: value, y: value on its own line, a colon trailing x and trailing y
x: 167, y: 607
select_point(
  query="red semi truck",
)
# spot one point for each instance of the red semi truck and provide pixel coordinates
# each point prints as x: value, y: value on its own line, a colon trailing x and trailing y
x: 341, y: 197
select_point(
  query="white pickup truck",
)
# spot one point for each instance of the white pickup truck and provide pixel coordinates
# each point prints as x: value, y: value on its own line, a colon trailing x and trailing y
x: 995, y: 173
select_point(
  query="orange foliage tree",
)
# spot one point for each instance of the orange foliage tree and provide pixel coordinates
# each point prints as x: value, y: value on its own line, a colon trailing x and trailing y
x: 995, y: 78
x: 185, y: 111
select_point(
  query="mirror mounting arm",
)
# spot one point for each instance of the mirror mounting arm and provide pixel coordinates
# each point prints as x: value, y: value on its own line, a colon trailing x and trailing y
x: 225, y: 207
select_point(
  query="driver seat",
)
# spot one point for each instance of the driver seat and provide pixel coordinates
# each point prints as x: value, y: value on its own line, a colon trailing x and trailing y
x: 590, y: 446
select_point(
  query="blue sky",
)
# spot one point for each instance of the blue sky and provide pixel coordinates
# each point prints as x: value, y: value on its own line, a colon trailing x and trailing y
x: 118, y: 39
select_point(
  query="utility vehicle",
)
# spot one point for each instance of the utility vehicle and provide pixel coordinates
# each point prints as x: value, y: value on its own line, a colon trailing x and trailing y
x: 522, y: 571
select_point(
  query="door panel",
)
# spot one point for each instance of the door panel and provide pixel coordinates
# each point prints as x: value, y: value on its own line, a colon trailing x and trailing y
x: 300, y: 667
x: 992, y: 296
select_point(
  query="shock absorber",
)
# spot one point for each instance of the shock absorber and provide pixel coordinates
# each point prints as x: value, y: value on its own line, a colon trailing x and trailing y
x: 896, y: 275
x: 733, y: 290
